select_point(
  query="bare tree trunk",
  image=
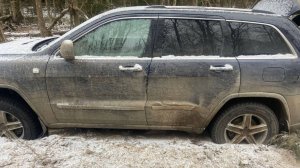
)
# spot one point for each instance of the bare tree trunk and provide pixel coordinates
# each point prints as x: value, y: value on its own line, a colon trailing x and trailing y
x: 1, y: 8
x: 124, y: 2
x: 73, y: 5
x: 34, y: 7
x: 75, y: 13
x: 196, y: 3
x: 54, y: 8
x: 16, y: 13
x: 48, y: 10
x: 2, y: 37
x: 174, y: 2
x: 76, y: 16
x: 41, y: 22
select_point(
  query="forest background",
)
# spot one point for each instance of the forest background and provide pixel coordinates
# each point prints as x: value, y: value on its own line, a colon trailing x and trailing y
x: 48, y: 17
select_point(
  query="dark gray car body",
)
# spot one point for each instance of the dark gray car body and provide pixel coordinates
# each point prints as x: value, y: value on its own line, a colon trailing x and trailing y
x: 170, y: 93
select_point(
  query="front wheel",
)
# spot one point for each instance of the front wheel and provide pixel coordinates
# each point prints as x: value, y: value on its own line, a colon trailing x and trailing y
x: 18, y: 121
x: 251, y: 123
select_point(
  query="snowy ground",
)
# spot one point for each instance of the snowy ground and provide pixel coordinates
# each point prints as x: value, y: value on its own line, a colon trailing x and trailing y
x: 121, y: 148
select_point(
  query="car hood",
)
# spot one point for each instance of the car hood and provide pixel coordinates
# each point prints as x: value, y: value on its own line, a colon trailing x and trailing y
x: 22, y: 46
x: 281, y: 7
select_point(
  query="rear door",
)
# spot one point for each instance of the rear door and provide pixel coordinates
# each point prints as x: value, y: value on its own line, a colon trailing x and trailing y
x: 189, y: 74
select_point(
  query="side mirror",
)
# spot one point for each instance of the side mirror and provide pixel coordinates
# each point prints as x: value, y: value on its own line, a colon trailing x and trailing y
x: 67, y: 50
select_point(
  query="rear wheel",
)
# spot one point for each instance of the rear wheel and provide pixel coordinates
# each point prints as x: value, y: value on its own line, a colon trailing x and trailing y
x: 17, y: 121
x: 251, y: 123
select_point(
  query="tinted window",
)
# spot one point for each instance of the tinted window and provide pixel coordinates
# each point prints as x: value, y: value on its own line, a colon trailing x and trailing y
x: 119, y: 38
x: 189, y: 37
x: 256, y: 39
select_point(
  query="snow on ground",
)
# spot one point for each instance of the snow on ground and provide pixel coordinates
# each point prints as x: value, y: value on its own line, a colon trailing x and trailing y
x: 20, y: 38
x: 120, y: 148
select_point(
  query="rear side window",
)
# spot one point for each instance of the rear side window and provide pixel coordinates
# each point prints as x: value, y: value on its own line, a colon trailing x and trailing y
x: 255, y: 39
x: 180, y: 37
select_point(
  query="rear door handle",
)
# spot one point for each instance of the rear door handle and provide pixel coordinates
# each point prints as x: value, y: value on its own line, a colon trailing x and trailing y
x: 135, y: 68
x: 226, y: 67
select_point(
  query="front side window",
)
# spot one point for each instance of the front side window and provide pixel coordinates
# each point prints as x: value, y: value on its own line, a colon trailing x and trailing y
x: 118, y: 38
x: 255, y: 39
x: 186, y: 37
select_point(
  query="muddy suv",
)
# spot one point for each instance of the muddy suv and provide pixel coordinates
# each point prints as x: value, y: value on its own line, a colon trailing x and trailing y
x: 234, y: 72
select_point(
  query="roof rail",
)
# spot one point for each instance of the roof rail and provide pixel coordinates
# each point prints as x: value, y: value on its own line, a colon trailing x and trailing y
x: 262, y: 11
x: 156, y: 6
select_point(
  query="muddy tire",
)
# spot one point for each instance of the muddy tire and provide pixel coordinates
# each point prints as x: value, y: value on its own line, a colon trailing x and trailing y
x: 18, y: 121
x: 252, y: 123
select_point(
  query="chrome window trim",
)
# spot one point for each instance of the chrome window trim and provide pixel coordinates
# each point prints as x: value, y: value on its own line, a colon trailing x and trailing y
x: 189, y: 18
x: 138, y: 17
x: 294, y: 53
x: 101, y: 24
x: 87, y: 57
x: 193, y: 57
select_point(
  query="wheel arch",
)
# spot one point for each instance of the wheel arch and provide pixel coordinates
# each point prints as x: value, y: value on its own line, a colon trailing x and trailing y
x: 13, y: 93
x: 274, y: 101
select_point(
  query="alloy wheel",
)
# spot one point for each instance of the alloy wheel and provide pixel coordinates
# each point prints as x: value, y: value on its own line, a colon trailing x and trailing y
x: 247, y: 128
x: 10, y: 126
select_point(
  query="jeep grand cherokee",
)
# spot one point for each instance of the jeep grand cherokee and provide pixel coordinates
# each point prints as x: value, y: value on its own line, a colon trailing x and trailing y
x: 234, y: 72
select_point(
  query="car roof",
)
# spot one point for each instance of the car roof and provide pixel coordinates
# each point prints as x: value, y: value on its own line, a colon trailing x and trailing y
x: 248, y: 15
x: 230, y: 14
x: 203, y: 8
x: 161, y: 8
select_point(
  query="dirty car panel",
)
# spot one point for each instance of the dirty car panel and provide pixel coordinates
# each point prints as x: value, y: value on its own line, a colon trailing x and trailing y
x: 173, y: 68
x: 106, y: 83
x: 189, y: 75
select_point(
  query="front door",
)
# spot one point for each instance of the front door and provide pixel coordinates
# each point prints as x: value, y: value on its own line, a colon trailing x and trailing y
x: 189, y: 75
x: 106, y: 83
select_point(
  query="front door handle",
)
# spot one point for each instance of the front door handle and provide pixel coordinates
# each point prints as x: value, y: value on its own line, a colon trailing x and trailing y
x: 226, y: 67
x: 135, y: 68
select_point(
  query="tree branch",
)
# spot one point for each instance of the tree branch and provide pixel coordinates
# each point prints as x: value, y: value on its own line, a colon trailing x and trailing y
x: 81, y: 13
x: 2, y: 37
x: 62, y: 14
x: 5, y: 18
